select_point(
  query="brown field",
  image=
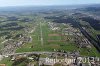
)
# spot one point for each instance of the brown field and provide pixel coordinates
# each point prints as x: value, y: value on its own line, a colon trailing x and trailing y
x: 56, y: 40
x: 54, y: 35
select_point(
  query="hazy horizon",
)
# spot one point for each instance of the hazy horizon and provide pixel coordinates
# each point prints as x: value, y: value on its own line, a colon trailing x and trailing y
x: 6, y: 3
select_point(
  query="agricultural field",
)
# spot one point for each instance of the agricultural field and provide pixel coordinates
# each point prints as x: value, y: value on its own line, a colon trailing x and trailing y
x: 27, y: 37
x: 46, y: 38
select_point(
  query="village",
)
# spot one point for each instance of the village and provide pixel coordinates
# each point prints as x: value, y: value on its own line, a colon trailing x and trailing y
x: 34, y: 40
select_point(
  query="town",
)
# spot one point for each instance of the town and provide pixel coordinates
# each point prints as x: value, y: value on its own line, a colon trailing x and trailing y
x: 29, y: 38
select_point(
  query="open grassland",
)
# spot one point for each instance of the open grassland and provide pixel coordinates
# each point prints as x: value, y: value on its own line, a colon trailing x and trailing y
x: 52, y: 40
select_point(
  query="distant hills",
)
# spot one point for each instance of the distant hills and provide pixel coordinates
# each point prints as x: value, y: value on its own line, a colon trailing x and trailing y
x: 33, y: 8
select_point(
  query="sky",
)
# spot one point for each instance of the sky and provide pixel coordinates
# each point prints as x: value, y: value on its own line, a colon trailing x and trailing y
x: 4, y: 3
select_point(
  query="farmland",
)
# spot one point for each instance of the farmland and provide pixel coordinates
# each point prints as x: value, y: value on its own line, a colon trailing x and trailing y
x: 28, y: 37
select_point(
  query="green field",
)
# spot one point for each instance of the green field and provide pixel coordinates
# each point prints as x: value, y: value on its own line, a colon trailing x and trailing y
x: 50, y: 43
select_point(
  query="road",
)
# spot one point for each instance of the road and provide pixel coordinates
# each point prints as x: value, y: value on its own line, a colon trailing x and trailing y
x: 41, y: 34
x: 89, y: 37
x: 27, y: 53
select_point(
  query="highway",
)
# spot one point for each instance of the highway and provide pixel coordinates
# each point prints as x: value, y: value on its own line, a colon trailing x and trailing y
x: 89, y: 37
